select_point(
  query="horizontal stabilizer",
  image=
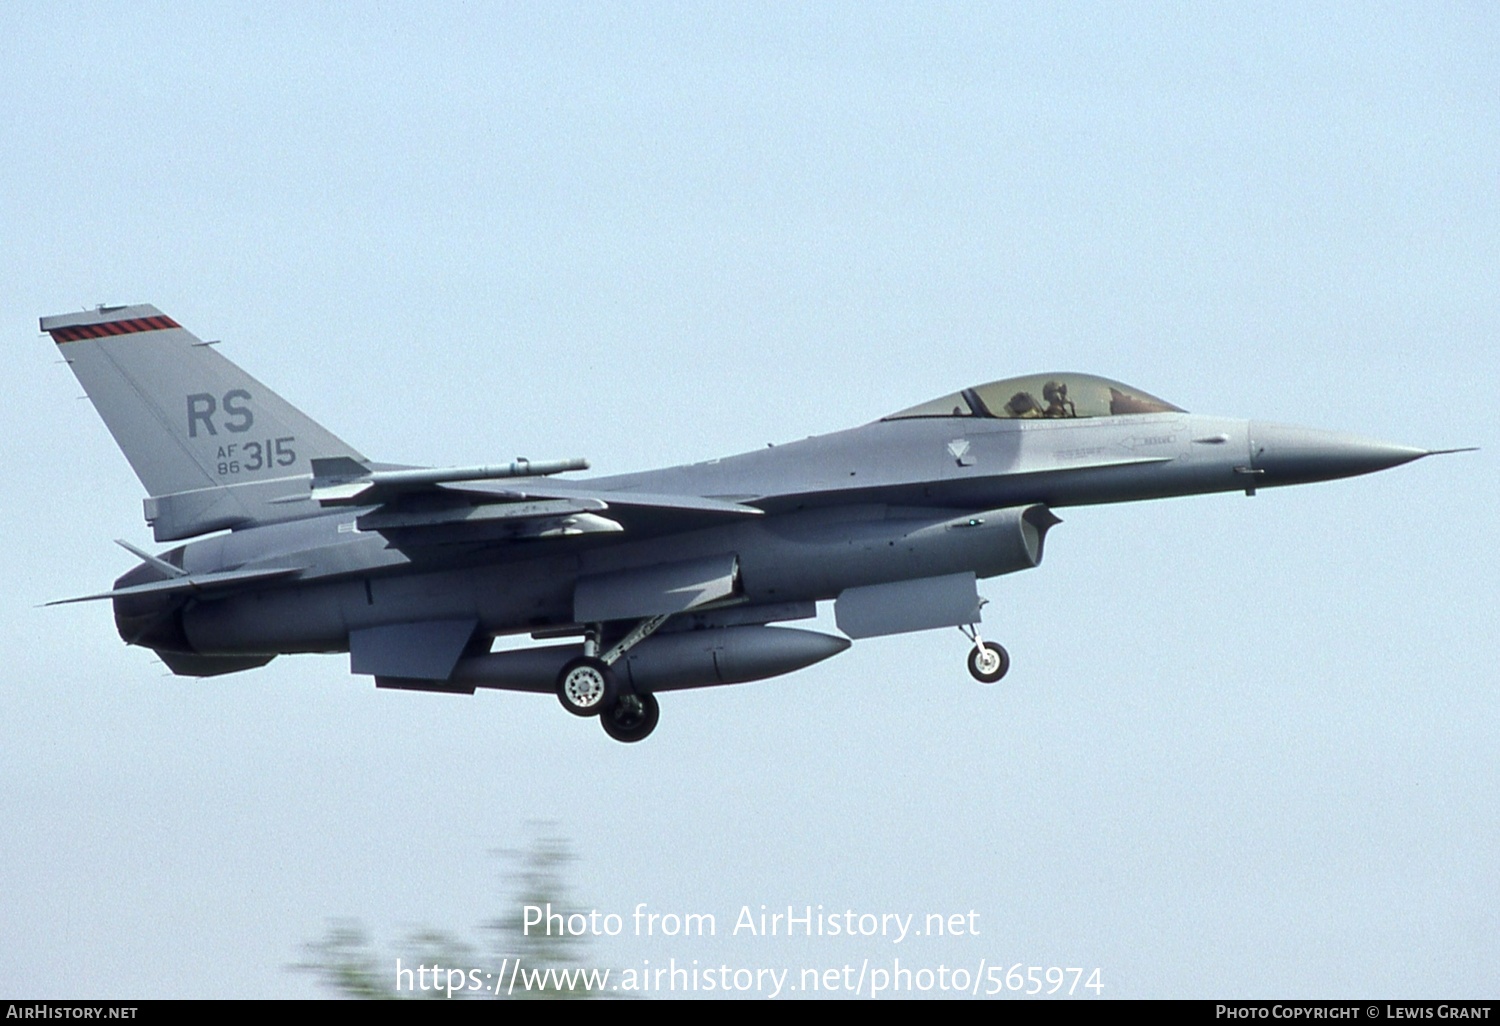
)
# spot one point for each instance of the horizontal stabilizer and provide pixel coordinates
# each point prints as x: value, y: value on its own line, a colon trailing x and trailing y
x: 190, y: 583
x: 189, y: 665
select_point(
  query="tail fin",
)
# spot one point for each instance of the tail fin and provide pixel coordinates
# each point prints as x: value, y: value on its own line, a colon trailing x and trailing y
x: 186, y: 418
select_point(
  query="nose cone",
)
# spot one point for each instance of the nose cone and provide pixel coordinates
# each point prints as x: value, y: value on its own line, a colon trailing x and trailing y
x: 1282, y: 454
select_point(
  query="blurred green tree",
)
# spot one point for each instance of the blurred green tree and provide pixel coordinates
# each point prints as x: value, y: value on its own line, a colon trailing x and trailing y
x: 346, y: 961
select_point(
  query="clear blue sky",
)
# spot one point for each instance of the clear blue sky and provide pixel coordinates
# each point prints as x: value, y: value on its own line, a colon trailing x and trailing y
x: 1247, y: 747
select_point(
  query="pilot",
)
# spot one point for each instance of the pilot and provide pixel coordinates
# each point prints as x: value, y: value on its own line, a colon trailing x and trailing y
x: 1058, y: 403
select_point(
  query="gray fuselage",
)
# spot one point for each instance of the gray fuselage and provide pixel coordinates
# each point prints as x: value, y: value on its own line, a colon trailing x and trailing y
x: 843, y: 510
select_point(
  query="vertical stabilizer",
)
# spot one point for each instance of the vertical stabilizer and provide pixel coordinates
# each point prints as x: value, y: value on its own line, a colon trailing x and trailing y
x: 186, y: 418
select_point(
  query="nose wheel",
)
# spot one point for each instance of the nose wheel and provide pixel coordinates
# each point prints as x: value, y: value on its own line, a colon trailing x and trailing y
x: 988, y: 660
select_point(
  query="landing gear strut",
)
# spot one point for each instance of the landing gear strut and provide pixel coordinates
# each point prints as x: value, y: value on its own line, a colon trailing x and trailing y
x: 988, y: 661
x: 588, y: 686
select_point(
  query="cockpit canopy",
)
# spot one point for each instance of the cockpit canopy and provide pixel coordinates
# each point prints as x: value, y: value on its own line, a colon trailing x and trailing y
x: 1043, y: 396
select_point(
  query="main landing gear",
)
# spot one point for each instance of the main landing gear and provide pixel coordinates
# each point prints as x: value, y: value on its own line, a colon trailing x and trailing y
x: 631, y: 718
x: 988, y: 661
x: 588, y: 686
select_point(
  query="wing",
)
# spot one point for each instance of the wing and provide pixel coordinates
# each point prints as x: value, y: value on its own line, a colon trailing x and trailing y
x: 470, y: 505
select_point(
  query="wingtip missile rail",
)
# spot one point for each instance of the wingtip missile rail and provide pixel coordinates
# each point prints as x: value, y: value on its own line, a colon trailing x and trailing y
x: 343, y: 481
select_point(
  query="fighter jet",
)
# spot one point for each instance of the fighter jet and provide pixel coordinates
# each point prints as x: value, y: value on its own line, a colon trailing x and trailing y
x: 648, y: 582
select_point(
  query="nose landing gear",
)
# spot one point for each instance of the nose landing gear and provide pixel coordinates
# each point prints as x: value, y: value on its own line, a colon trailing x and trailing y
x: 988, y: 661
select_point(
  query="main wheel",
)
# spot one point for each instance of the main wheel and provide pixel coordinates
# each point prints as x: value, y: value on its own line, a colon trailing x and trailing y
x: 586, y: 686
x: 988, y: 663
x: 631, y: 718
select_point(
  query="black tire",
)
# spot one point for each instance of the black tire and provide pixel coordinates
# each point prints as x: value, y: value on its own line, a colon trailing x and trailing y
x: 990, y: 666
x: 631, y: 718
x: 586, y: 686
